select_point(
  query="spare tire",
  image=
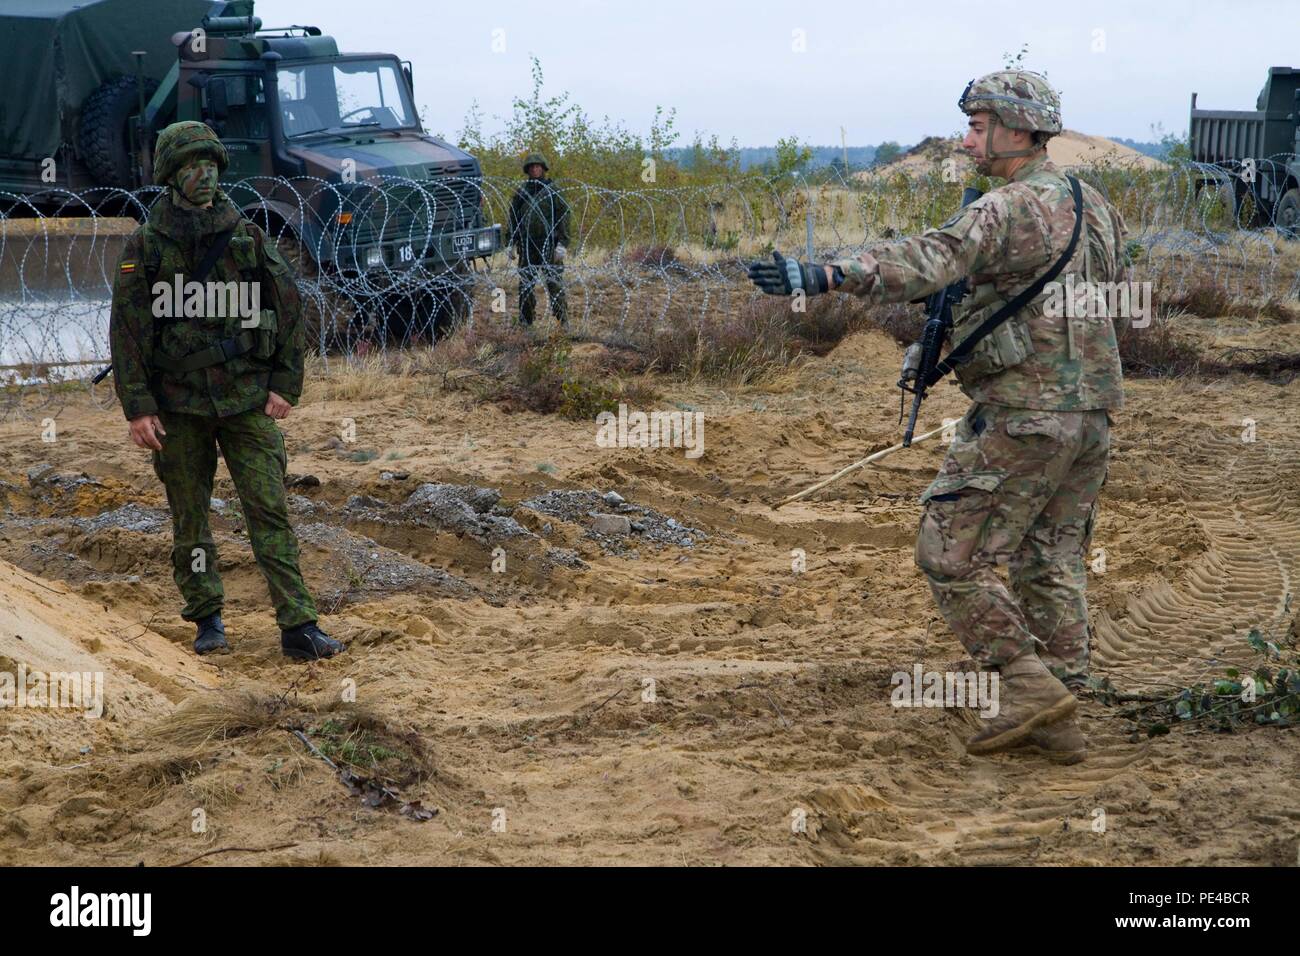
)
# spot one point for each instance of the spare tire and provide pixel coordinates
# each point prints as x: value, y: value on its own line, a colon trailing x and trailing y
x: 104, y: 136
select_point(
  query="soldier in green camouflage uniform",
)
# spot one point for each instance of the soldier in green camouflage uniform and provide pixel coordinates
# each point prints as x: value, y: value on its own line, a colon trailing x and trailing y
x: 1020, y: 483
x: 215, y: 373
x: 539, y: 235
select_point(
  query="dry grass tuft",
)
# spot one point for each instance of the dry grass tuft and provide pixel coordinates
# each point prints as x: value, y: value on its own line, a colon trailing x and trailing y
x: 754, y: 343
x: 508, y: 364
x: 219, y: 716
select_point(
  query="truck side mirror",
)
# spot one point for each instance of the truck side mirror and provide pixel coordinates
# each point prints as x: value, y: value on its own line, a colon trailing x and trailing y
x: 410, y: 82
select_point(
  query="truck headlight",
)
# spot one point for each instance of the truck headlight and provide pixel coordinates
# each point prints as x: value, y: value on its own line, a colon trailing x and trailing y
x: 485, y: 242
x: 374, y: 257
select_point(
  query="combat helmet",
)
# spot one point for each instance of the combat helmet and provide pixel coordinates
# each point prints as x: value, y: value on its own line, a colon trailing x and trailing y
x: 181, y: 143
x: 536, y: 158
x: 1019, y: 99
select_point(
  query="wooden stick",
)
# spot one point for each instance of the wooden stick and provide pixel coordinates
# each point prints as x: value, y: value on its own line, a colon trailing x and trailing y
x: 236, y: 849
x: 854, y: 467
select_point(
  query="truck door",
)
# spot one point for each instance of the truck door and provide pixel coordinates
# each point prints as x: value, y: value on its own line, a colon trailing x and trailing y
x: 234, y: 104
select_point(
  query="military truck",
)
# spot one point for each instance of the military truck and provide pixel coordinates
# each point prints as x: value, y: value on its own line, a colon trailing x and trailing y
x: 325, y: 147
x: 1255, y: 153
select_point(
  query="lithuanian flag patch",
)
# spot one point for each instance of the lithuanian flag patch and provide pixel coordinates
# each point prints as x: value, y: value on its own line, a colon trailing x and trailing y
x: 126, y: 268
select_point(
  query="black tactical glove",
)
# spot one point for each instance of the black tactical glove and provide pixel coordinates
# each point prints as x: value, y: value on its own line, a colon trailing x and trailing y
x: 784, y: 276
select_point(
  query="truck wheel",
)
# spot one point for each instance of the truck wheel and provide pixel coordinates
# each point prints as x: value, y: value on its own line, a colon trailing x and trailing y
x: 1216, y: 206
x: 455, y: 301
x: 104, y: 137
x: 1247, y: 209
x: 1287, y: 219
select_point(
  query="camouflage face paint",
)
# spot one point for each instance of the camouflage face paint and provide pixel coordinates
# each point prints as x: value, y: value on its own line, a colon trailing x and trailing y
x: 197, y: 181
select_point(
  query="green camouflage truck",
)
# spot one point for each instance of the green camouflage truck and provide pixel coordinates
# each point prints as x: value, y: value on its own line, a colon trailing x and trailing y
x: 325, y: 147
x: 1252, y: 157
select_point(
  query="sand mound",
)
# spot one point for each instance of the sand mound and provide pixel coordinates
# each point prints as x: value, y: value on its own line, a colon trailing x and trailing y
x: 76, y: 679
x: 1070, y: 149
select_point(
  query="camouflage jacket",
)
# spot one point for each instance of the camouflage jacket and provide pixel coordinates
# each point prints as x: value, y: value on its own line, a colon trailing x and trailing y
x: 147, y: 345
x: 1003, y: 242
x: 539, y: 220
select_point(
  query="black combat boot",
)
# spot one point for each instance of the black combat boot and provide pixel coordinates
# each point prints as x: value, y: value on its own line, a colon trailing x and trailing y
x: 307, y: 642
x: 211, y: 636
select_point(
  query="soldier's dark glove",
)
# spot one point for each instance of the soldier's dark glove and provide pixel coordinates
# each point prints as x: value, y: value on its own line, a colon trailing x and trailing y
x: 784, y: 276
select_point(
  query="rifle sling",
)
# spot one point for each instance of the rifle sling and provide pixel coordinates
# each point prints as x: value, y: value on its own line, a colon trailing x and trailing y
x: 962, y: 352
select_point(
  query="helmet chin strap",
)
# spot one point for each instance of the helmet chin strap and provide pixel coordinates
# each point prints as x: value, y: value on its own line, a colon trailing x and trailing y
x: 1011, y: 154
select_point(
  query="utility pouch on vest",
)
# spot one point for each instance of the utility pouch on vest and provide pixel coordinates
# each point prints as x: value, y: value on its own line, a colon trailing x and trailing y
x: 266, y: 334
x: 245, y: 256
x: 223, y: 351
x: 1006, y: 346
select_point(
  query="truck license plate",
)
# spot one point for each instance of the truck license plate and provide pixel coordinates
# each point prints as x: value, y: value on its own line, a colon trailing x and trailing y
x: 462, y: 243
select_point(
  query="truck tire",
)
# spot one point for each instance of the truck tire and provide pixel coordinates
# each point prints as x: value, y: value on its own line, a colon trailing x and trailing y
x: 455, y: 301
x: 1287, y: 219
x: 104, y: 138
x: 1216, y: 204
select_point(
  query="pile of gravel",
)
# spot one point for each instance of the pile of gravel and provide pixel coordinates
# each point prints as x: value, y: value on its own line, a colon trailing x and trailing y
x: 129, y: 517
x: 44, y: 474
x: 302, y: 505
x: 613, y: 521
x: 464, y: 509
x: 375, y: 567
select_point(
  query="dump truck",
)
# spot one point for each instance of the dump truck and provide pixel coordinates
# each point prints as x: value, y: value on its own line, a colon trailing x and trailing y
x: 1252, y: 157
x: 326, y: 148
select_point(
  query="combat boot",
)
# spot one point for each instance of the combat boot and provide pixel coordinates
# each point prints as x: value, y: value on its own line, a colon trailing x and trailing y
x: 307, y: 642
x: 1062, y: 742
x: 210, y: 637
x: 1028, y: 697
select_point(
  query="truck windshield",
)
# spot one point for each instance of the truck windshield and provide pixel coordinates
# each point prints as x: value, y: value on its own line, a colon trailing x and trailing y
x: 316, y: 97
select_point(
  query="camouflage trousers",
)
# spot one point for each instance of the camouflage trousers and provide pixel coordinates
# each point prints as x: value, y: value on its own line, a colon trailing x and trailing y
x: 553, y: 276
x: 1017, y: 488
x: 253, y: 447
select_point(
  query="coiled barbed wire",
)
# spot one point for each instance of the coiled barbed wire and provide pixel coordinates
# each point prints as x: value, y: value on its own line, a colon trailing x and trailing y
x: 660, y: 255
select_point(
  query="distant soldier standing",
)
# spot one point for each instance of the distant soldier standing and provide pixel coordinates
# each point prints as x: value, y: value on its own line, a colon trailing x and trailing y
x: 192, y: 381
x: 1020, y: 482
x: 539, y: 234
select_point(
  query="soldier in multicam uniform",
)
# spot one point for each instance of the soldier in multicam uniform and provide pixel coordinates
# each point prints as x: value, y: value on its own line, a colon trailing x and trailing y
x: 539, y: 234
x: 191, y: 383
x: 1020, y: 482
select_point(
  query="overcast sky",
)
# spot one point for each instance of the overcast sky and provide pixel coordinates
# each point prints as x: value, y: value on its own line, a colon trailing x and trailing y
x: 882, y: 70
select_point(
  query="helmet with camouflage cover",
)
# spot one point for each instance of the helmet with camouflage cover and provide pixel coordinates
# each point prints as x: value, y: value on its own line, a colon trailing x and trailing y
x: 1019, y: 99
x: 182, y: 143
x: 537, y: 158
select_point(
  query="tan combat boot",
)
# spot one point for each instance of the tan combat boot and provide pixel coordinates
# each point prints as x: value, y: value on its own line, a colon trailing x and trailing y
x: 1029, y: 697
x: 1062, y: 742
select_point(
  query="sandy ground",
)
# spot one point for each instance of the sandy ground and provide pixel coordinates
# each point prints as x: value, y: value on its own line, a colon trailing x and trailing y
x: 650, y: 699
